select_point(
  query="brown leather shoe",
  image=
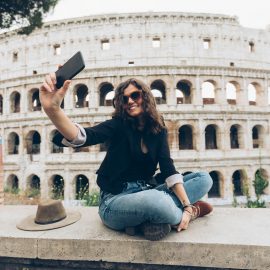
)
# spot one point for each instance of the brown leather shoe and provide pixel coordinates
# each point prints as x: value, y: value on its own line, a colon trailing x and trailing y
x: 200, y: 209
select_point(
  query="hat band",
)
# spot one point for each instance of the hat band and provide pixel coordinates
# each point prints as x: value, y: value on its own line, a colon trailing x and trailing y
x: 49, y: 222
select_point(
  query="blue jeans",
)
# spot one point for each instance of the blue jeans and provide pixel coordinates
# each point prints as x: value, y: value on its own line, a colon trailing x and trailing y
x: 138, y: 203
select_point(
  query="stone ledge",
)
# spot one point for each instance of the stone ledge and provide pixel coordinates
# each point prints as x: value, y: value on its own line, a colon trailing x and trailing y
x: 227, y: 239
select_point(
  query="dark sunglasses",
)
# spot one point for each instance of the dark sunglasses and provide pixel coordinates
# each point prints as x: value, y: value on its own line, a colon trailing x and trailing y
x: 135, y: 96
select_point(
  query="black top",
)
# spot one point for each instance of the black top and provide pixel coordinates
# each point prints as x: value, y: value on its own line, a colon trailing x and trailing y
x: 124, y: 160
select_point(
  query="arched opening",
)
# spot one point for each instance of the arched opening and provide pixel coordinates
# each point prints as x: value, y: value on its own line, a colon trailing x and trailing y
x: 15, y: 102
x: 57, y: 187
x: 179, y: 97
x: 33, y: 186
x: 55, y: 148
x: 12, y: 183
x: 81, y: 96
x: 257, y: 136
x: 34, y: 102
x: 214, y: 192
x: 104, y: 89
x: 185, y: 137
x: 185, y: 88
x: 82, y: 187
x: 236, y: 137
x: 13, y: 143
x: 252, y: 93
x: 238, y: 180
x: 208, y: 92
x: 231, y: 91
x: 158, y: 89
x: 33, y: 141
x: 109, y: 98
x: 211, y: 137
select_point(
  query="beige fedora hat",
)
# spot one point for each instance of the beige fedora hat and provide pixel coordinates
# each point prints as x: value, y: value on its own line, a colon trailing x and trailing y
x: 50, y: 214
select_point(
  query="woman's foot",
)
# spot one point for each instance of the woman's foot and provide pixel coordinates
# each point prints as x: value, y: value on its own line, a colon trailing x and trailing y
x: 155, y: 232
x: 200, y: 209
x: 151, y: 231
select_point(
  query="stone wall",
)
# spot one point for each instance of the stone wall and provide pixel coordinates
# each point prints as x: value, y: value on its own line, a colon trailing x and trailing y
x: 165, y: 50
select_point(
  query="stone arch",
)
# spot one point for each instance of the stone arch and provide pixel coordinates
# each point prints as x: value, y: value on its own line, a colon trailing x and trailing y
x: 258, y: 136
x: 239, y: 180
x: 185, y: 137
x: 56, y: 185
x: 158, y: 89
x: 104, y: 89
x: 208, y: 92
x: 81, y: 186
x: 1, y: 104
x: 109, y: 98
x: 81, y: 95
x: 13, y: 143
x: 236, y: 137
x: 33, y: 100
x: 53, y: 147
x: 12, y: 182
x: 15, y: 102
x: 33, y: 141
x: 211, y: 137
x: 254, y: 93
x: 216, y: 189
x: 184, y: 86
x: 232, y: 92
x: 33, y: 181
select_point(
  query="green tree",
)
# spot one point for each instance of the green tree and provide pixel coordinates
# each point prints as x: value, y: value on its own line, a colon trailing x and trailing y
x: 26, y: 13
x: 260, y: 184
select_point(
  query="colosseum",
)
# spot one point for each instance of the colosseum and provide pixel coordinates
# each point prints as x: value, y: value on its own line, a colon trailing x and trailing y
x: 210, y: 77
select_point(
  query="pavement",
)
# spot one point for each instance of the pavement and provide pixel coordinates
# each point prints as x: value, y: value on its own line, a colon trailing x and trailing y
x: 237, y: 238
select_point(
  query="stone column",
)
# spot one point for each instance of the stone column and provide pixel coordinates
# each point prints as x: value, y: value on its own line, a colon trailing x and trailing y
x: 200, y: 136
x: 24, y: 100
x: 197, y: 98
x: 262, y: 95
x: 227, y: 185
x: 220, y: 93
x: 6, y: 102
x: 93, y: 94
x: 243, y: 94
x: 170, y: 91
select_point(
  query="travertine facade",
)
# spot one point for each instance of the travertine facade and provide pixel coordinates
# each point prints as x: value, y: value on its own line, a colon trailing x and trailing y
x: 209, y: 74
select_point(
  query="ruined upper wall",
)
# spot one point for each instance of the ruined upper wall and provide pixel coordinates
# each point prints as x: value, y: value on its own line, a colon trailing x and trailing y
x: 182, y: 39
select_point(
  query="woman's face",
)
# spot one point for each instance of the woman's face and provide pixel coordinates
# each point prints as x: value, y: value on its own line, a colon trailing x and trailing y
x: 133, y: 101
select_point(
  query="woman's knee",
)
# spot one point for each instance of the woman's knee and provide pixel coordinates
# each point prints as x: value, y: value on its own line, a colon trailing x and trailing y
x: 206, y: 180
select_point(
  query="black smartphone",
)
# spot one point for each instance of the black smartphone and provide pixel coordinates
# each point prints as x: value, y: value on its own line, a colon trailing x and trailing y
x: 70, y: 69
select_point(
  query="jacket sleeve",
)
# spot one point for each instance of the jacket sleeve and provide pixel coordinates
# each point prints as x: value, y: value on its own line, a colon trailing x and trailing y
x: 92, y: 135
x: 168, y: 172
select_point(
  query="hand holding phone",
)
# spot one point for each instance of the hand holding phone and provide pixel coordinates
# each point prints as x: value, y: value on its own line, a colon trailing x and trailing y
x: 70, y: 69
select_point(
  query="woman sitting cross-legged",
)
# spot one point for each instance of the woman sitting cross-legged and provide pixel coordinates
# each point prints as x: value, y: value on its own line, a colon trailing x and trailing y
x: 137, y: 143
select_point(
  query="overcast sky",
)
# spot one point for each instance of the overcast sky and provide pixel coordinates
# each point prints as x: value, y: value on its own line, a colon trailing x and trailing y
x: 251, y: 13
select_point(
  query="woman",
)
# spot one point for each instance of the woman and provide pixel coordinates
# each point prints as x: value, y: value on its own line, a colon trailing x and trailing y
x: 132, y: 197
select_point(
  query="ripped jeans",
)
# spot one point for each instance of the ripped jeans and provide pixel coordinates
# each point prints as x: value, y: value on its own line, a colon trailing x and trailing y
x: 138, y: 203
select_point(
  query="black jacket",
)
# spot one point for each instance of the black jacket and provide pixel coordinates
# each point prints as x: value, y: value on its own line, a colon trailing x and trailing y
x: 120, y: 137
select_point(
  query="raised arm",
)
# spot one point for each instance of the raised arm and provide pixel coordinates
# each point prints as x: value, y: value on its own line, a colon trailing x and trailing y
x: 51, y: 99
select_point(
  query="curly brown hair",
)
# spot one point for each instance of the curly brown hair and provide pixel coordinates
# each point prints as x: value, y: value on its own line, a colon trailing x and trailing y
x: 153, y: 120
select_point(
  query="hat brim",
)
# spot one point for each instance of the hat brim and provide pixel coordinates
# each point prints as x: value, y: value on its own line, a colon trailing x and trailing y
x: 28, y: 224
